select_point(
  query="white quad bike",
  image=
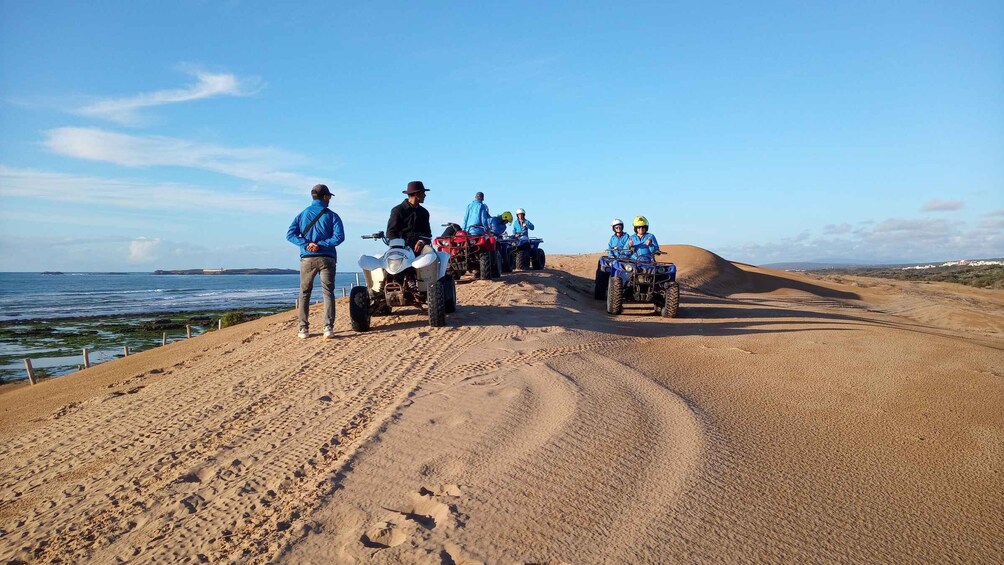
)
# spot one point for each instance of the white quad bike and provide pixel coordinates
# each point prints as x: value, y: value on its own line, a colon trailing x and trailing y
x: 399, y: 278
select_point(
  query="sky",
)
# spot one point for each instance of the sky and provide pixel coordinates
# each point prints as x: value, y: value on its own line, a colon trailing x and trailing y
x: 167, y: 135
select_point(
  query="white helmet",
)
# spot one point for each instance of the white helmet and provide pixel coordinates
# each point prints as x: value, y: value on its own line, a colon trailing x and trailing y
x: 616, y: 222
x: 520, y: 211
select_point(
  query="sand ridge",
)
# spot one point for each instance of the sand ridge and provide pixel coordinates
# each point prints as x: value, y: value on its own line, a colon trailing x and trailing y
x: 781, y: 417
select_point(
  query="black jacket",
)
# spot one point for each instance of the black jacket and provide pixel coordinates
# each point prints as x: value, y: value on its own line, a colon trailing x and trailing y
x: 410, y: 223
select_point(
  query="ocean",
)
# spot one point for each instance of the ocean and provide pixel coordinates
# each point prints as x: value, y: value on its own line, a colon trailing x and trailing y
x: 36, y: 296
x: 49, y: 318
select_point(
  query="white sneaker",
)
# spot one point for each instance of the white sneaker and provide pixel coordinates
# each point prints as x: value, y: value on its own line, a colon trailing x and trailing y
x: 302, y: 334
x: 329, y: 333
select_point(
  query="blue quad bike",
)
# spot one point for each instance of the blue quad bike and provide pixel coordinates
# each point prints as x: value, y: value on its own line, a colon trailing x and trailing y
x: 521, y: 256
x: 642, y: 282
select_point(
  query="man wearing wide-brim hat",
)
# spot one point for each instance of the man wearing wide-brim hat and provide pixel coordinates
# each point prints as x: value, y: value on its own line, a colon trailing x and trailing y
x: 409, y: 220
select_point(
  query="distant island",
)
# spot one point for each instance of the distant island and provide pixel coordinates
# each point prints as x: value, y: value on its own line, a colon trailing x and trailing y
x: 227, y: 272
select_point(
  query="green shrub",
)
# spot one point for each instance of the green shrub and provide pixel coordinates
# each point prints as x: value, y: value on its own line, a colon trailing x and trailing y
x: 233, y: 318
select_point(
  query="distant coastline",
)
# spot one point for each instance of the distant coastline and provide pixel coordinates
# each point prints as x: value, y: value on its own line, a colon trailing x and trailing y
x: 227, y: 272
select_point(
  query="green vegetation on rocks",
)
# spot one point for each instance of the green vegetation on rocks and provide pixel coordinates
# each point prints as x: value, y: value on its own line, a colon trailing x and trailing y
x: 979, y: 276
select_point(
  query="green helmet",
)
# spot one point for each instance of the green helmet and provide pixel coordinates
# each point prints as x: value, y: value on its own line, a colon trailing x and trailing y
x: 506, y: 217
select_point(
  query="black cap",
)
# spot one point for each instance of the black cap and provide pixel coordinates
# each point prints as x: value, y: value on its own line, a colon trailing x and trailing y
x: 319, y: 190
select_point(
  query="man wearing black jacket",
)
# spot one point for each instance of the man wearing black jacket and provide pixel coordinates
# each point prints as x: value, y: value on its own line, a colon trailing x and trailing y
x: 409, y: 220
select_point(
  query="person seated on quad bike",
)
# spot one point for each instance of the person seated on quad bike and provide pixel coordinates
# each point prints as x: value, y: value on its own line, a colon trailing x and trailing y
x: 643, y: 244
x: 409, y: 220
x: 498, y: 223
x: 617, y: 247
x: 476, y: 218
x: 522, y: 226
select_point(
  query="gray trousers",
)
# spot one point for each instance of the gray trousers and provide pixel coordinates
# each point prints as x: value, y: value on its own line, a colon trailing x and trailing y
x: 310, y: 266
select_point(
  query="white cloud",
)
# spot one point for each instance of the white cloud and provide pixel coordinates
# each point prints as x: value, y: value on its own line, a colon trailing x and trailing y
x: 834, y: 229
x: 258, y: 164
x: 133, y: 193
x: 144, y: 250
x: 937, y: 205
x: 997, y: 212
x: 207, y: 85
x: 893, y: 240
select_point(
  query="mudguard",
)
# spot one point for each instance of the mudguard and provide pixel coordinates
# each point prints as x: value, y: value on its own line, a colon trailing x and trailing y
x: 370, y: 262
x: 425, y: 259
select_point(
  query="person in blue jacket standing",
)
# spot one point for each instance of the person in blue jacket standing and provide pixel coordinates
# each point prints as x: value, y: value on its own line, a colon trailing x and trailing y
x: 522, y: 226
x: 644, y: 244
x: 617, y: 247
x: 477, y: 219
x: 317, y: 231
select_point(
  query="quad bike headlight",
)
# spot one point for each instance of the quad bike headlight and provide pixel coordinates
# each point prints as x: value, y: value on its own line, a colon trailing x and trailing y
x: 628, y: 267
x: 394, y: 261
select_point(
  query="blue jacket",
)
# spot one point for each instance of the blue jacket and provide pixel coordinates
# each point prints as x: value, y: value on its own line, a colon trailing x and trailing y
x: 497, y: 226
x: 523, y: 234
x: 619, y: 243
x: 477, y: 215
x: 327, y: 232
x: 644, y: 250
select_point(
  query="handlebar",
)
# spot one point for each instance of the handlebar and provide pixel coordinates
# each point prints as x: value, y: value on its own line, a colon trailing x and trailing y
x: 377, y: 235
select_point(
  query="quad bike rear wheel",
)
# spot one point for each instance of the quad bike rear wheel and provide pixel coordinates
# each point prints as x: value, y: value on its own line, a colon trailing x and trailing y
x: 359, y: 308
x: 538, y: 259
x: 600, y: 284
x: 437, y: 305
x: 671, y: 304
x: 615, y: 295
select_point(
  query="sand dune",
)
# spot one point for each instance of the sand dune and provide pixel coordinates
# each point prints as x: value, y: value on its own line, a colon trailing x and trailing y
x: 782, y: 417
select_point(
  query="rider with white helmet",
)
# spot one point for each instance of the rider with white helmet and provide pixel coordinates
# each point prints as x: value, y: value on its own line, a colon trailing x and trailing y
x: 522, y: 226
x: 618, y: 244
x: 643, y: 243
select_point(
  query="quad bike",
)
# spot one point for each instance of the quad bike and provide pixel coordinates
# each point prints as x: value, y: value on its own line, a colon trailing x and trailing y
x: 643, y: 282
x: 399, y: 278
x: 524, y: 255
x: 603, y: 268
x: 469, y: 253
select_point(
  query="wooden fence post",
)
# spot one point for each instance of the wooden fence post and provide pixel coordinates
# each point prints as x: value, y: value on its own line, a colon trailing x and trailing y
x: 31, y: 371
x: 188, y: 331
x: 87, y: 359
x: 125, y: 350
x: 357, y: 279
x: 163, y: 340
x: 220, y: 325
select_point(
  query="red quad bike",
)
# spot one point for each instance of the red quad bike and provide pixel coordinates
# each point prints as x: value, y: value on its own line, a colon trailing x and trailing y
x: 469, y: 253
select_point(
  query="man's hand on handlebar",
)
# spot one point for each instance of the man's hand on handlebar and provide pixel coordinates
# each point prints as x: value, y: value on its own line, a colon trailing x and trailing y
x: 419, y: 246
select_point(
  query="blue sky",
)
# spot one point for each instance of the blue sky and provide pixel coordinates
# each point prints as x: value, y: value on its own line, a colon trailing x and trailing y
x: 144, y: 135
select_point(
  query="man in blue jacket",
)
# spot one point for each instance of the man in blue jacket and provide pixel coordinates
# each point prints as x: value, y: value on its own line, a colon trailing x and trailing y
x: 317, y: 231
x: 477, y: 218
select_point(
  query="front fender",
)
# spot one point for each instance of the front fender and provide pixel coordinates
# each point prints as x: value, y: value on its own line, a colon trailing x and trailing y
x: 370, y: 263
x: 426, y: 259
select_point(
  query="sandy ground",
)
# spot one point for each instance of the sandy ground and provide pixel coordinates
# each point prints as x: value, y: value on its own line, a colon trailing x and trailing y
x: 781, y: 417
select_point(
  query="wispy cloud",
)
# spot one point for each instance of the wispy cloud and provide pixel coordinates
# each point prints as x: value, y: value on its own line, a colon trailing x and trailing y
x: 892, y: 240
x: 835, y: 229
x: 258, y: 164
x: 207, y: 85
x: 143, y: 250
x: 937, y: 205
x: 132, y: 193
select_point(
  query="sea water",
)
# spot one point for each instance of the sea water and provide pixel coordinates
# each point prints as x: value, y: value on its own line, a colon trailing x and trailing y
x: 36, y: 296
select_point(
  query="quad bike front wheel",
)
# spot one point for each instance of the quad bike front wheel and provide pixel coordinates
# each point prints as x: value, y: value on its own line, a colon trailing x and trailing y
x: 449, y: 293
x: 615, y: 295
x: 359, y: 308
x: 485, y: 265
x: 671, y: 304
x: 437, y: 305
x: 496, y: 264
x: 522, y: 260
